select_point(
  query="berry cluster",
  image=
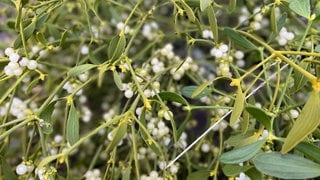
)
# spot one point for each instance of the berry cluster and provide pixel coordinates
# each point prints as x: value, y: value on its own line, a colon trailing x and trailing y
x: 17, y: 64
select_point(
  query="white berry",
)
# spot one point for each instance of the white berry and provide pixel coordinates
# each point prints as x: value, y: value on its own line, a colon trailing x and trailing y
x: 32, y: 64
x: 14, y: 57
x: 8, y: 51
x: 21, y: 169
x: 128, y: 93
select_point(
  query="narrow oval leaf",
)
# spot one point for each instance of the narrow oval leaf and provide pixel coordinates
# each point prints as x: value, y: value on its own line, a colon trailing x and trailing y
x: 299, y: 79
x: 213, y: 23
x: 189, y: 11
x: 63, y: 38
x: 237, y: 107
x: 239, y: 39
x: 242, y: 154
x: 309, y: 150
x: 204, y: 4
x: 244, y: 124
x: 117, y: 80
x: 92, y: 58
x: 73, y: 125
x: 301, y: 7
x: 80, y: 69
x: 27, y: 32
x: 273, y: 21
x: 171, y: 96
x: 200, y: 89
x: 46, y: 116
x: 116, y: 47
x: 118, y: 135
x: 260, y: 115
x: 41, y: 20
x: 317, y: 48
x: 286, y: 166
x: 307, y: 122
x: 187, y: 91
x: 40, y: 38
x: 232, y: 5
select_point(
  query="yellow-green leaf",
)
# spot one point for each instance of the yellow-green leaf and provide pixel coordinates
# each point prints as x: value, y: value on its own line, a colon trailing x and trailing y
x: 189, y: 11
x: 213, y: 23
x: 307, y: 122
x: 118, y: 135
x: 27, y: 32
x: 201, y: 88
x: 73, y: 125
x: 299, y: 79
x: 232, y: 5
x: 117, y: 80
x: 204, y: 4
x: 238, y: 107
x: 80, y: 69
x: 116, y: 46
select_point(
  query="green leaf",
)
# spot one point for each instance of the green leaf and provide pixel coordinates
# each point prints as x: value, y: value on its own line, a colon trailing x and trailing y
x: 189, y: 90
x: 232, y: 5
x: 46, y: 116
x: 244, y: 124
x: 63, y: 38
x: 213, y: 23
x: 301, y: 7
x: 73, y: 72
x: 233, y: 170
x: 240, y: 140
x: 237, y: 107
x: 27, y: 32
x: 6, y: 170
x: 200, y: 174
x: 171, y: 96
x: 239, y: 39
x: 126, y: 173
x: 242, y: 154
x: 281, y: 21
x: 310, y: 150
x: 189, y: 11
x: 260, y: 115
x: 73, y: 125
x: 53, y: 30
x: 116, y: 47
x: 307, y: 122
x: 92, y: 58
x: 40, y: 38
x: 200, y: 89
x: 253, y: 173
x: 117, y: 80
x: 273, y: 21
x: 286, y: 166
x: 299, y: 79
x: 118, y: 135
x: 204, y: 4
x: 41, y: 20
